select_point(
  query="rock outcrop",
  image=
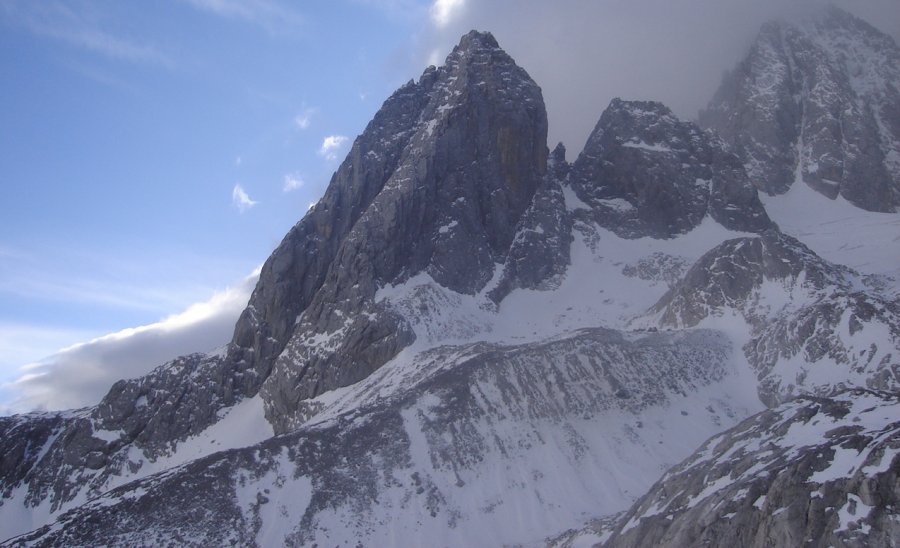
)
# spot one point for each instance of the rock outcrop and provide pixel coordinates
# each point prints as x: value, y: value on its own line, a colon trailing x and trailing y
x: 644, y: 172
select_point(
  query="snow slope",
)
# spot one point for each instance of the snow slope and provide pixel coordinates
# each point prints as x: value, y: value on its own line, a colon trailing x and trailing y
x: 838, y: 231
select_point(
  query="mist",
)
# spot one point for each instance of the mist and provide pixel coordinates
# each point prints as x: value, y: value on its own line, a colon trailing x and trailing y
x: 583, y: 54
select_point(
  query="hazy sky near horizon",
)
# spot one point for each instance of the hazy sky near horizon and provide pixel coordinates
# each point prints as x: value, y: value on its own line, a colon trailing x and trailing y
x: 154, y: 153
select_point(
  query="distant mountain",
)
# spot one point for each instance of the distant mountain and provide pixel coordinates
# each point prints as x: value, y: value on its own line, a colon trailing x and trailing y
x: 817, y: 101
x: 471, y: 341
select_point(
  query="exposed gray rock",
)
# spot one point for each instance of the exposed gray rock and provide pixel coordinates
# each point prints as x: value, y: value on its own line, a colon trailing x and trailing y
x: 657, y: 267
x: 539, y: 253
x: 437, y: 182
x: 450, y: 188
x: 822, y: 92
x: 813, y: 471
x: 847, y: 331
x: 646, y: 173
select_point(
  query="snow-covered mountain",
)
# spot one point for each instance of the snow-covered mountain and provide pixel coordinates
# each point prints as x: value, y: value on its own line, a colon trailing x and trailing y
x: 817, y: 101
x: 471, y: 341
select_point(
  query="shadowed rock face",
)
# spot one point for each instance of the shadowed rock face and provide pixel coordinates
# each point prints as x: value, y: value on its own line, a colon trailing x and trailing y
x: 822, y: 93
x: 471, y: 161
x: 817, y: 471
x: 539, y: 253
x: 647, y: 173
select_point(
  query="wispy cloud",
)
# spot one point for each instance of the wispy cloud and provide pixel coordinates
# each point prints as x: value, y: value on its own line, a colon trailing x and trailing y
x: 81, y: 374
x: 149, y: 282
x: 292, y: 181
x: 442, y: 12
x: 83, y: 29
x: 94, y: 292
x: 241, y: 199
x: 304, y: 119
x: 273, y: 17
x: 331, y: 145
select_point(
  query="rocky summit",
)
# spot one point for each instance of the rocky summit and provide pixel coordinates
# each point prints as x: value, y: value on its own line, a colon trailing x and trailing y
x: 470, y: 340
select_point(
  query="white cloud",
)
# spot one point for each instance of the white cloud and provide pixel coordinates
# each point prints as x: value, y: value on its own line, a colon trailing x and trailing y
x: 82, y: 374
x: 304, y: 119
x: 292, y: 181
x: 240, y: 199
x: 434, y: 57
x: 444, y: 11
x: 238, y: 161
x: 331, y: 145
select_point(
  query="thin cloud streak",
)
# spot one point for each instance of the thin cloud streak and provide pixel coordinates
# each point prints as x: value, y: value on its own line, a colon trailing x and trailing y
x: 273, y: 17
x: 304, y: 119
x: 61, y: 22
x: 241, y: 199
x: 442, y: 12
x: 104, y: 279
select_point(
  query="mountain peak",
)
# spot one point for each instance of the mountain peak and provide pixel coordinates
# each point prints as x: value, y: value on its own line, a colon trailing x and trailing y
x: 639, y: 108
x: 475, y: 39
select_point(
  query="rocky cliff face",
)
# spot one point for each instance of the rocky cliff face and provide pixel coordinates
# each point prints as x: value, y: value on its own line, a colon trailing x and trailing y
x: 818, y: 471
x: 647, y: 173
x: 817, y: 101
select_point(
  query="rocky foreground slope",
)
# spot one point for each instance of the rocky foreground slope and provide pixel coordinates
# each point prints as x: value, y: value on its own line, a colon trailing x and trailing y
x: 470, y: 341
x: 820, y: 471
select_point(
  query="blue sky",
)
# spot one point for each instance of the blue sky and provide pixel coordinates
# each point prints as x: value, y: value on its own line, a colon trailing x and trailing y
x: 130, y: 128
x: 152, y: 154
